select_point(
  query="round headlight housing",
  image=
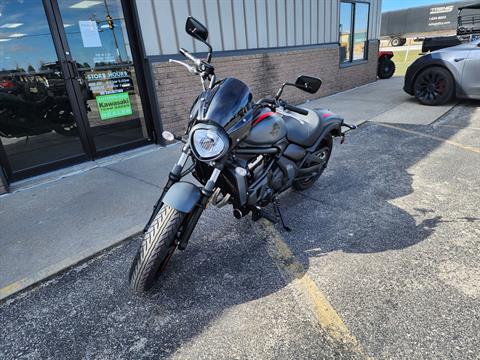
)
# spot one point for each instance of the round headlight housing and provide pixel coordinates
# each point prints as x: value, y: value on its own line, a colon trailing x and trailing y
x: 208, y: 143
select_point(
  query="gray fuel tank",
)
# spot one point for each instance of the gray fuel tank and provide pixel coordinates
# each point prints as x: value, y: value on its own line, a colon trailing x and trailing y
x: 267, y: 128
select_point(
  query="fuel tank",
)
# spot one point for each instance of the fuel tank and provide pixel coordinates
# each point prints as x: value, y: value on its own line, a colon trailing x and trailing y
x: 268, y: 127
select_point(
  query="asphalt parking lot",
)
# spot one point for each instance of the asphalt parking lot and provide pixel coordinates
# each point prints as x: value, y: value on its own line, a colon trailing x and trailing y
x: 382, y: 262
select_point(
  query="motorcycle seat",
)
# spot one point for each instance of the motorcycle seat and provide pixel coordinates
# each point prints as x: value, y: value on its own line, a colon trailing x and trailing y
x: 305, y: 129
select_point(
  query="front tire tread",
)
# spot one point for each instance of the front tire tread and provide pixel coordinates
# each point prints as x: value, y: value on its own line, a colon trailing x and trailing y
x: 154, y: 248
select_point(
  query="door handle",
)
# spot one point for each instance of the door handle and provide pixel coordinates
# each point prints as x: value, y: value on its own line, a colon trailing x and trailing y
x: 458, y: 59
x: 72, y: 69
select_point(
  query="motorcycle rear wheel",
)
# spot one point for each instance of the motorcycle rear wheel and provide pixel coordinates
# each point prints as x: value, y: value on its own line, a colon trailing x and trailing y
x: 324, y: 150
x: 158, y: 246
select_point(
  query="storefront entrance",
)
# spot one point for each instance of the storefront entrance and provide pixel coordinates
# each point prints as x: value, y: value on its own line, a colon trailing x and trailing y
x: 68, y: 85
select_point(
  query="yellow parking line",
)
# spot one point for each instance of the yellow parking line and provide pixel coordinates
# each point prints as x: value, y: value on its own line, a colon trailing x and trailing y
x: 464, y: 147
x: 12, y: 288
x: 293, y: 272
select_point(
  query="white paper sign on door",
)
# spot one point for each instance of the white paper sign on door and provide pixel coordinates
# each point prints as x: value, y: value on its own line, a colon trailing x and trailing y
x: 89, y: 32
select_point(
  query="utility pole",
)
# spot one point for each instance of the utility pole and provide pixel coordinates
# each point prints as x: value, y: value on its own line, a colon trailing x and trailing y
x: 112, y: 27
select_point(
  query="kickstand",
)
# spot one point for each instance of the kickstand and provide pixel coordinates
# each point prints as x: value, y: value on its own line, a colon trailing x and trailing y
x: 276, y: 207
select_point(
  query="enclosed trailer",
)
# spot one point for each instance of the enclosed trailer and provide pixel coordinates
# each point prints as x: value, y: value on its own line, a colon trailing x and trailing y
x: 468, y: 29
x: 398, y: 25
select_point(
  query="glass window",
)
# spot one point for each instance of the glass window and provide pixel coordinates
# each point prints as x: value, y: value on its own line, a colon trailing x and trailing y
x: 98, y: 41
x: 37, y: 124
x: 360, y: 31
x: 346, y: 14
x: 353, y: 31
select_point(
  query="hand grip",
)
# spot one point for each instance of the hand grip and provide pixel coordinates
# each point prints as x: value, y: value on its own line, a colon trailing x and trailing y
x: 296, y: 109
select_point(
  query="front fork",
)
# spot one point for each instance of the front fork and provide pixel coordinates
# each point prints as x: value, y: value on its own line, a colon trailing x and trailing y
x: 192, y: 217
x: 173, y: 177
x: 206, y: 192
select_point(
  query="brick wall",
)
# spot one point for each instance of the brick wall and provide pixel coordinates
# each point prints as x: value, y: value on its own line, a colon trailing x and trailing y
x: 264, y: 73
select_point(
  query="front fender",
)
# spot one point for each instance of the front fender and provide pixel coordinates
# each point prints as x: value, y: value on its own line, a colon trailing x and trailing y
x: 441, y: 59
x: 182, y: 196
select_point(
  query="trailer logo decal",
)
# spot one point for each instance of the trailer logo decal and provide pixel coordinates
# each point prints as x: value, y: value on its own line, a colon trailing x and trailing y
x: 441, y: 9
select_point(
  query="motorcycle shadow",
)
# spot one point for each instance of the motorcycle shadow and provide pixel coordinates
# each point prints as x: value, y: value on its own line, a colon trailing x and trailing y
x: 351, y: 209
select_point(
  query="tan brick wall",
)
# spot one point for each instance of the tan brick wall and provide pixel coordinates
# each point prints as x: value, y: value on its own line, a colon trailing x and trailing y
x: 264, y: 73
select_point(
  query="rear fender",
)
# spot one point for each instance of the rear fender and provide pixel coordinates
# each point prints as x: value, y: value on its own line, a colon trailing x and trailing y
x: 182, y: 196
x: 385, y: 54
x: 332, y: 125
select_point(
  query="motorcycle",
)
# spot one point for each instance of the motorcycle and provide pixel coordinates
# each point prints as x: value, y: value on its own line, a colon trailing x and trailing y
x: 37, y: 103
x: 243, y: 153
x: 20, y: 117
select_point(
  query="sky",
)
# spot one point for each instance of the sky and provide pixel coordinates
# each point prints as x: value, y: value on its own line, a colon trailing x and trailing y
x: 389, y: 5
x: 25, y: 38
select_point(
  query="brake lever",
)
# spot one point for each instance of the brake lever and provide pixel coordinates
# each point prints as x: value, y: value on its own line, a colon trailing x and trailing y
x: 190, y: 56
x: 191, y: 69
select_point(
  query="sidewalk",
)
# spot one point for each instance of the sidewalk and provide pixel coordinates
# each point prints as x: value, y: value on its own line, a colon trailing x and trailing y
x: 54, y: 221
x: 51, y: 222
x: 382, y: 101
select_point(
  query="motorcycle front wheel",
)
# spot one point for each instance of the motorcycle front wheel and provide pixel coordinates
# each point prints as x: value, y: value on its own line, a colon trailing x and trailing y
x: 156, y: 249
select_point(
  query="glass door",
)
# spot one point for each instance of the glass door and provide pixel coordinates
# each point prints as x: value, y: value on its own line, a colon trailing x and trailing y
x: 38, y: 126
x: 98, y: 43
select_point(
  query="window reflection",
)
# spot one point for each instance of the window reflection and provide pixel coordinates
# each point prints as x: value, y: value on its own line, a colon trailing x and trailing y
x: 353, y: 30
x: 37, y: 125
x: 361, y: 31
x: 346, y: 12
x: 98, y: 40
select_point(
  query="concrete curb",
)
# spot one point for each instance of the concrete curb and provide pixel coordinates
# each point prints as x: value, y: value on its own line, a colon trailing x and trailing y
x: 29, y: 283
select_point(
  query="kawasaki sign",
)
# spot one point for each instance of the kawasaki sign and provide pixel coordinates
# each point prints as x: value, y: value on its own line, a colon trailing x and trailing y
x: 114, y: 105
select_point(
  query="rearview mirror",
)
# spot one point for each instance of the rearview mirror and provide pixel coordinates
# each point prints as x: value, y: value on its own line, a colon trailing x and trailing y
x: 196, y: 29
x: 309, y: 84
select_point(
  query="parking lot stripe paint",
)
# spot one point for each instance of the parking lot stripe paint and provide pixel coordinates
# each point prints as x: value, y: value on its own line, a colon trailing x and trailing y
x: 464, y: 147
x: 12, y: 288
x: 294, y: 273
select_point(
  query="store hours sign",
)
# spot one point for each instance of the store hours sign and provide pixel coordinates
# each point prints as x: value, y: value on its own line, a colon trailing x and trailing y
x: 108, y: 82
x: 114, y: 105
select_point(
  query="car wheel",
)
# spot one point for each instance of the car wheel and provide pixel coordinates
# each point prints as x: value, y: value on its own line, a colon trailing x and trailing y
x: 396, y: 41
x: 434, y: 86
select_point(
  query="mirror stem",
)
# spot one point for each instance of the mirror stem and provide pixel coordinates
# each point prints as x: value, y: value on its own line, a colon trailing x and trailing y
x: 280, y: 91
x: 209, y: 56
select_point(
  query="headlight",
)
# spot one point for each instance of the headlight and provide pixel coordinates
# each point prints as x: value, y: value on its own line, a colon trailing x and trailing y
x: 209, y: 143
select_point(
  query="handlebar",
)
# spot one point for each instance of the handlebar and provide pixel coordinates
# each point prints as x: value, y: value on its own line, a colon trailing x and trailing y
x: 190, y: 56
x: 267, y: 100
x: 202, y: 67
x: 295, y: 109
x: 284, y: 105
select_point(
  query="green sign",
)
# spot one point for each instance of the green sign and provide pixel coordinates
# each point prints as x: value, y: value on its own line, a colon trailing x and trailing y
x: 114, y: 105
